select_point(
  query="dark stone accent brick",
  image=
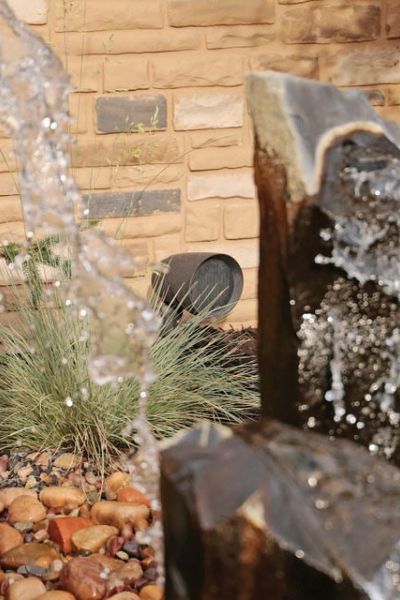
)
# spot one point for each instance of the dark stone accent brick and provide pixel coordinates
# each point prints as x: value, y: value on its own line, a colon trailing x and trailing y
x: 133, y: 204
x: 118, y: 114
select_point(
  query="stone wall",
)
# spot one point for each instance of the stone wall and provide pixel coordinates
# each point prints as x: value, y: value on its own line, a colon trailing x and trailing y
x: 163, y: 134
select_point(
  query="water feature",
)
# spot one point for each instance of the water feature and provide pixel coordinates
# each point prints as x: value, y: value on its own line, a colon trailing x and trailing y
x: 34, y: 93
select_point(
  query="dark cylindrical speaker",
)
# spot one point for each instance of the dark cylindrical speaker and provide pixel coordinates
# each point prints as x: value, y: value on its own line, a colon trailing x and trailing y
x: 200, y: 280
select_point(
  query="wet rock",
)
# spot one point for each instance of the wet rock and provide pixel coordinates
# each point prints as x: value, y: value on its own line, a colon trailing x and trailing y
x: 29, y: 554
x: 84, y: 577
x: 26, y: 509
x: 56, y: 595
x: 124, y: 596
x: 26, y: 589
x: 115, y: 482
x: 151, y: 592
x: 92, y: 538
x: 67, y: 461
x: 109, y: 563
x: 64, y: 497
x: 9, y: 538
x: 132, y: 494
x: 61, y: 530
x: 120, y: 514
x: 128, y: 574
x: 7, y: 495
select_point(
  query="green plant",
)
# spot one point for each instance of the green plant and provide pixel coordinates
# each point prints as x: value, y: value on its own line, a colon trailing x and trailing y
x: 44, y: 371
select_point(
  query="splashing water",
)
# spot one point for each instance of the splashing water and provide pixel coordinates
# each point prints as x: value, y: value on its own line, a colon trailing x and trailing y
x: 34, y: 111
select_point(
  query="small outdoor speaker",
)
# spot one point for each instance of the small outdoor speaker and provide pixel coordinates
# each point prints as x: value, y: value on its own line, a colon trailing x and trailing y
x: 198, y: 280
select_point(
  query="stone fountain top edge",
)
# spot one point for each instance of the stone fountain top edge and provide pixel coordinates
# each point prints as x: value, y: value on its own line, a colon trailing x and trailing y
x: 297, y: 120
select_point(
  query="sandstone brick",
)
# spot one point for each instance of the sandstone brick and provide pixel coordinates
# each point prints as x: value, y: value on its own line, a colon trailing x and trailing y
x: 150, y: 226
x: 362, y: 66
x: 241, y: 220
x: 104, y: 15
x: 221, y: 185
x: 33, y: 12
x: 135, y: 176
x: 240, y: 36
x: 99, y: 178
x: 123, y: 42
x: 124, y: 204
x: 194, y: 71
x: 202, y: 223
x: 118, y: 114
x: 10, y: 209
x: 245, y: 252
x: 393, y: 19
x: 394, y: 96
x: 206, y: 110
x: 141, y: 283
x: 12, y: 232
x: 141, y: 250
x: 245, y: 313
x: 353, y: 22
x: 126, y: 150
x: 229, y: 12
x: 8, y: 184
x: 250, y: 284
x: 79, y: 110
x: 213, y: 138
x: 86, y: 72
x: 390, y: 113
x: 221, y: 158
x: 166, y: 246
x: 7, y: 157
x: 300, y: 65
x: 126, y: 74
x: 375, y: 97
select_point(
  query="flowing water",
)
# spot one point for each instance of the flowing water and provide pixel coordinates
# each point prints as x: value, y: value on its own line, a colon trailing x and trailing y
x: 34, y: 93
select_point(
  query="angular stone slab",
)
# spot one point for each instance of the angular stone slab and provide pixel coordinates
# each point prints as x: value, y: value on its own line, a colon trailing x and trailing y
x: 128, y: 115
x: 268, y: 511
x: 132, y: 204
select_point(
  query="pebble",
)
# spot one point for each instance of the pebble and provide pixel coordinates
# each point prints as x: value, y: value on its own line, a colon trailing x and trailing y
x: 43, y: 459
x: 23, y: 526
x: 31, y: 482
x: 125, y: 596
x: 67, y: 461
x: 93, y: 538
x: 120, y: 514
x: 26, y: 509
x: 84, y: 578
x: 64, y: 497
x: 7, y: 495
x: 122, y: 555
x: 24, y: 473
x: 9, y: 538
x: 56, y: 595
x: 151, y: 592
x: 115, y: 482
x: 26, y: 589
x: 61, y: 530
x: 128, y: 574
x: 29, y: 554
x: 132, y: 494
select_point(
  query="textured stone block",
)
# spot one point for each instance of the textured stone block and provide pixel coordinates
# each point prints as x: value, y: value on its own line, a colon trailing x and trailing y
x: 12, y: 232
x: 124, y: 204
x: 143, y: 175
x: 211, y: 12
x: 105, y: 15
x: 393, y: 19
x: 127, y: 150
x: 33, y: 12
x: 245, y: 252
x: 326, y: 24
x: 143, y: 227
x: 250, y: 284
x: 362, y: 66
x: 126, y: 74
x: 245, y: 312
x: 130, y: 114
x: 167, y: 245
x: 86, y: 72
x: 208, y: 110
x: 79, y: 110
x: 241, y: 220
x: 10, y: 209
x: 394, y: 96
x: 221, y: 158
x: 195, y: 71
x: 221, y: 185
x: 89, y: 179
x: 8, y: 184
x: 218, y: 139
x: 202, y: 223
x: 240, y: 36
x: 300, y: 65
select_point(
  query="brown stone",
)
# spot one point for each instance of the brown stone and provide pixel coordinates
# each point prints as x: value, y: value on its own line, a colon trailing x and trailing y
x: 182, y: 13
x: 92, y: 538
x: 120, y: 514
x: 7, y: 495
x: 356, y: 67
x: 61, y: 530
x: 124, y: 596
x: 195, y: 72
x: 393, y: 19
x: 9, y: 538
x: 151, y: 592
x: 300, y: 65
x: 241, y: 220
x: 328, y: 24
x: 128, y: 574
x: 64, y: 497
x: 26, y: 509
x: 213, y: 159
x: 83, y: 578
x: 132, y: 494
x: 31, y: 554
x: 56, y: 595
x: 215, y: 138
x: 126, y: 74
x: 67, y: 461
x: 203, y: 223
x: 239, y: 36
x: 26, y: 589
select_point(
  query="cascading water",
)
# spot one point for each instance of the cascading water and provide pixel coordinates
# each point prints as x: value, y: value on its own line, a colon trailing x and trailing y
x: 33, y: 109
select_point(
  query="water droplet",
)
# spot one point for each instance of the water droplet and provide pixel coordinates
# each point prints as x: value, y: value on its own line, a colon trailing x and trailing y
x: 68, y: 401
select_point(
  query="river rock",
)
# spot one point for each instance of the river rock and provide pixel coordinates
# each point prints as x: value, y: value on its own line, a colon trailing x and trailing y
x: 2, y: 507
x: 7, y: 495
x: 31, y: 554
x: 26, y: 509
x: 131, y: 494
x: 108, y: 562
x: 92, y: 538
x: 26, y: 589
x: 56, y: 595
x: 9, y: 538
x: 120, y: 514
x: 125, y: 596
x: 152, y: 592
x: 61, y: 530
x: 67, y: 461
x: 84, y: 578
x: 64, y: 497
x: 128, y: 574
x: 115, y: 482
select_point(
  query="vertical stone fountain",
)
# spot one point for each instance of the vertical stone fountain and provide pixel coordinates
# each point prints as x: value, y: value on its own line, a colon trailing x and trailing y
x: 272, y: 510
